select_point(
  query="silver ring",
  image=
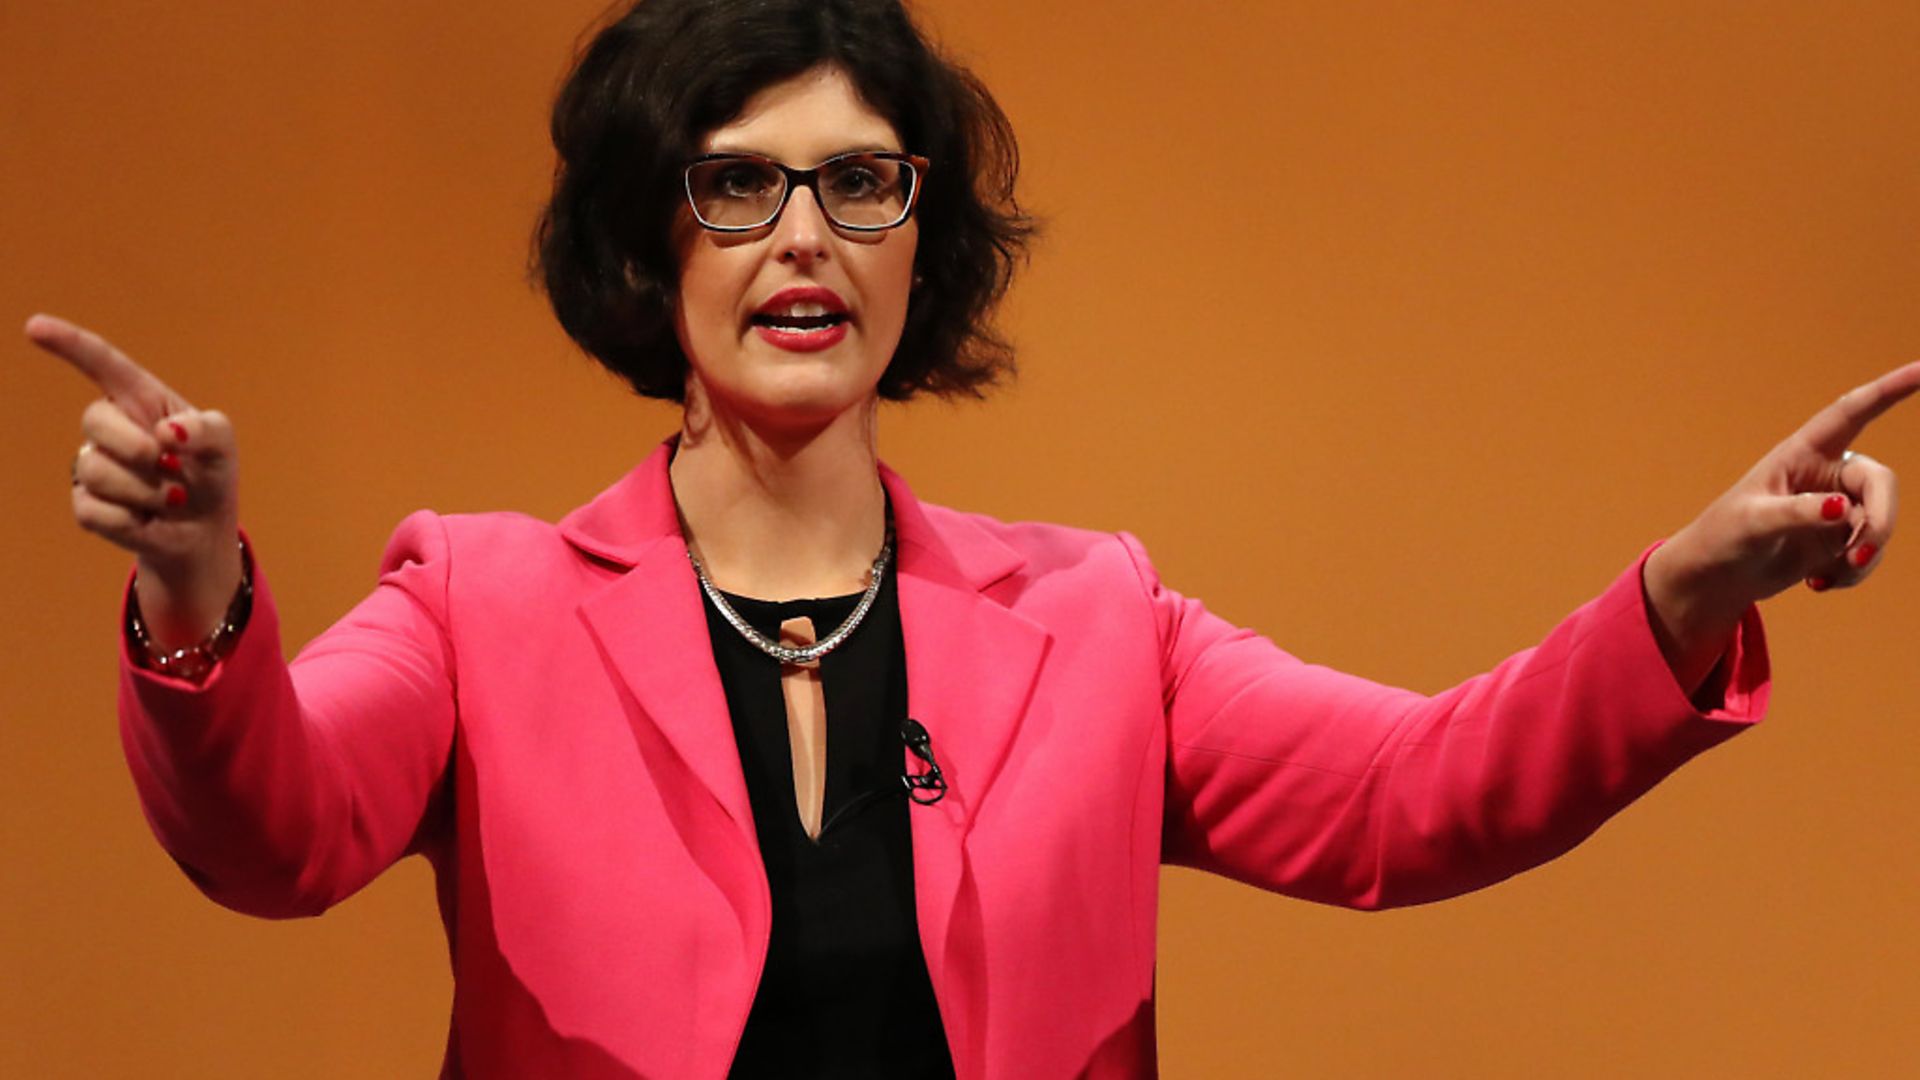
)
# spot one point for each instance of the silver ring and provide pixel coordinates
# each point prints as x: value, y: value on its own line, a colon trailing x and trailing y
x: 1840, y: 471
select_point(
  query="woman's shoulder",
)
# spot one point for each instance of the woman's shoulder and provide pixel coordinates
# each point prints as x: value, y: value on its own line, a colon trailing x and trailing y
x: 1022, y: 534
x: 1038, y: 547
x: 496, y: 541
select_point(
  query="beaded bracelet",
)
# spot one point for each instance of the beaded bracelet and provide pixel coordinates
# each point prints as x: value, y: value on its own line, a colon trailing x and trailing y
x: 194, y: 662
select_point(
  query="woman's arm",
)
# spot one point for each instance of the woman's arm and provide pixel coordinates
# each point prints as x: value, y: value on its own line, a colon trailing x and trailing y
x: 1323, y: 785
x: 282, y: 789
x: 1320, y: 784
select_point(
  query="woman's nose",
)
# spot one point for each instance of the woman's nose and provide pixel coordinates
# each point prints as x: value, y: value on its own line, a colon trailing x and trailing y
x: 800, y: 235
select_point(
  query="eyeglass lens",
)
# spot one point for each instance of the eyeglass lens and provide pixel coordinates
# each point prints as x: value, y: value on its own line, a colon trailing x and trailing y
x: 857, y: 191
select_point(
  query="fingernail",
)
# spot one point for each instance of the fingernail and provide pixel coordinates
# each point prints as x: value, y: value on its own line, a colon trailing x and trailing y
x: 1818, y: 584
x: 179, y: 431
x: 176, y: 496
x: 169, y: 461
x: 1834, y: 508
x: 1863, y: 554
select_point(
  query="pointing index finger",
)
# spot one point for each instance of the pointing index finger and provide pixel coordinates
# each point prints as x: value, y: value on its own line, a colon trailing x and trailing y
x: 126, y: 383
x: 1834, y: 428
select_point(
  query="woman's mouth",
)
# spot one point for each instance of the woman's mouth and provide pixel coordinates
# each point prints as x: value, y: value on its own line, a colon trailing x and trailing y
x: 803, y: 335
x: 802, y: 320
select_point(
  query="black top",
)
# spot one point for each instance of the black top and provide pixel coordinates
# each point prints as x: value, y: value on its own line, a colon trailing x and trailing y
x: 845, y: 991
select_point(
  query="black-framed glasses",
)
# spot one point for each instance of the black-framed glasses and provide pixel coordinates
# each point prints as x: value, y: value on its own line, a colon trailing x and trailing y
x: 865, y: 191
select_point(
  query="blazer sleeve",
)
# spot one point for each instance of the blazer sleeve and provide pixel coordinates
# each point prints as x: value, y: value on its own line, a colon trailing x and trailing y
x: 1322, y: 785
x: 282, y: 789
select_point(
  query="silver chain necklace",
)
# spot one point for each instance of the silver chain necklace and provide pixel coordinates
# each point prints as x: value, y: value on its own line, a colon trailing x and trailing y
x: 805, y: 654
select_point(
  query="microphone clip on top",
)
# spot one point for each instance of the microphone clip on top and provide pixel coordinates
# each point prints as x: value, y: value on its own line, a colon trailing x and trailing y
x: 933, y: 781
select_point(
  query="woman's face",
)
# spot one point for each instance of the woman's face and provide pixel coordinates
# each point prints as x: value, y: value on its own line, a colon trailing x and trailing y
x: 755, y: 371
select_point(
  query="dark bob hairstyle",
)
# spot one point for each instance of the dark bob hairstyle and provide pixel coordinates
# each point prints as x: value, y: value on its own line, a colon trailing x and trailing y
x: 654, y: 82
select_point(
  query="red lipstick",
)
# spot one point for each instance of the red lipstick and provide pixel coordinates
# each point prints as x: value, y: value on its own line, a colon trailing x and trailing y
x: 802, y: 318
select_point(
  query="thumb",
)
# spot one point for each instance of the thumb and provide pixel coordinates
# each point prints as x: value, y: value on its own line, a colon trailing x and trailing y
x: 200, y: 444
x: 206, y: 435
x: 1807, y: 512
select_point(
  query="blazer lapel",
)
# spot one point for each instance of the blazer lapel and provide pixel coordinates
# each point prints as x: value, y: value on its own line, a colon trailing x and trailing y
x: 644, y: 623
x: 651, y: 624
x: 971, y: 660
x: 971, y: 666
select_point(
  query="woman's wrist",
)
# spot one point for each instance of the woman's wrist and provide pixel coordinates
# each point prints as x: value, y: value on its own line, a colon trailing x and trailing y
x: 185, y: 625
x: 1694, y: 617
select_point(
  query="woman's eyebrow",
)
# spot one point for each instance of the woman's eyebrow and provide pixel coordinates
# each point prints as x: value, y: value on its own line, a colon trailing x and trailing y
x: 724, y: 147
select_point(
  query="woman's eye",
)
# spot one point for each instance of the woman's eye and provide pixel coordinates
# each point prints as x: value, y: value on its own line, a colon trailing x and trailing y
x: 741, y: 182
x: 856, y: 181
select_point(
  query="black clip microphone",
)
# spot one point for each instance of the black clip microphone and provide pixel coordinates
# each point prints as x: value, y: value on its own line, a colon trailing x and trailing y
x: 914, y: 734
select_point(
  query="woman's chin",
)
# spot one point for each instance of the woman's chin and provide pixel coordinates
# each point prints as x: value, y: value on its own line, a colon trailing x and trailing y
x: 795, y: 399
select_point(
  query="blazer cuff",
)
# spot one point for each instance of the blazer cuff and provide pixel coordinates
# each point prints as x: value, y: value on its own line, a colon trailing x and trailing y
x: 161, y: 694
x: 1744, y: 667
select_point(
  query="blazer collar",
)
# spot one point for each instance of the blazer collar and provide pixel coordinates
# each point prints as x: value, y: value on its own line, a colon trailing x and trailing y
x: 621, y: 524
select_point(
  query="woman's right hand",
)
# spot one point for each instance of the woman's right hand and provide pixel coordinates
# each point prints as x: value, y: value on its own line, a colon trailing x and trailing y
x: 158, y: 477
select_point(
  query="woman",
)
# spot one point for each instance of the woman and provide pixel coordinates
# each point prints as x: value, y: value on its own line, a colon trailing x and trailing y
x: 649, y: 863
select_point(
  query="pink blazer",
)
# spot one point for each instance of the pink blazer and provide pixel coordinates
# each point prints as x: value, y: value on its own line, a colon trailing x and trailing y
x: 536, y: 710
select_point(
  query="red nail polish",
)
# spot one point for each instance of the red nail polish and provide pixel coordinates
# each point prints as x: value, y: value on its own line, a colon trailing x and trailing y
x: 1818, y: 584
x: 169, y: 461
x: 179, y: 431
x: 1834, y: 508
x: 1863, y: 554
x: 176, y: 496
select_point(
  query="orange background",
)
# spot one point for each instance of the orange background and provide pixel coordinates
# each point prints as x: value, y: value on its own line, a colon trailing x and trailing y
x: 1395, y: 330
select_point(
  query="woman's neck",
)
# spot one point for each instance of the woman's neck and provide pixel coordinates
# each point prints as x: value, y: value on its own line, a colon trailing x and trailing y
x: 780, y: 515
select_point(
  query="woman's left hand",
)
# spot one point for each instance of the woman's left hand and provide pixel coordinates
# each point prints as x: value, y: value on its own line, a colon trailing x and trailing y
x: 1810, y: 510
